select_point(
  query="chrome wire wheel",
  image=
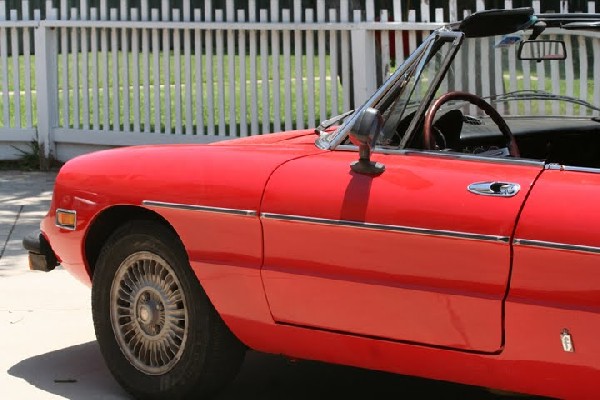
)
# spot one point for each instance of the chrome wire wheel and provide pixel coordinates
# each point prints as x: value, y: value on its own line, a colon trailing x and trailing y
x: 148, y: 313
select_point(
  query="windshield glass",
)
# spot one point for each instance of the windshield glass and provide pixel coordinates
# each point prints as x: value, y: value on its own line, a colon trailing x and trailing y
x: 401, y: 113
x: 524, y: 88
x: 526, y: 93
x: 403, y: 92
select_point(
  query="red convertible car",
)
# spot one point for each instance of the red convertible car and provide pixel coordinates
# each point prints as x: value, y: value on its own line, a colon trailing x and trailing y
x: 440, y: 230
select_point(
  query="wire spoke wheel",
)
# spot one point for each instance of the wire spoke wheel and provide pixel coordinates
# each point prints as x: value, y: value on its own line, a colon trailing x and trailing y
x: 148, y: 313
x: 158, y: 332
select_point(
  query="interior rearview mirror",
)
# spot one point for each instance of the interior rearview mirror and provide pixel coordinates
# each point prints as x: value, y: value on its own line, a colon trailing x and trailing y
x: 364, y: 134
x: 539, y: 50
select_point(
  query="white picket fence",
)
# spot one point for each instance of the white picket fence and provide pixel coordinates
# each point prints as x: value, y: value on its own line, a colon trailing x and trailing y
x: 89, y: 77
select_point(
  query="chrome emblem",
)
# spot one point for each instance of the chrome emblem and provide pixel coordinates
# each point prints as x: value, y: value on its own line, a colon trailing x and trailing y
x: 567, y: 342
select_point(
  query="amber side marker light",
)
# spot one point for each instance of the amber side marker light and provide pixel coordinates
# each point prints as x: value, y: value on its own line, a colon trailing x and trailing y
x: 66, y: 219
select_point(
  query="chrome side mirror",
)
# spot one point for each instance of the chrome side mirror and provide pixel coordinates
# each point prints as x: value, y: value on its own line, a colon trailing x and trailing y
x: 539, y: 50
x: 364, y: 134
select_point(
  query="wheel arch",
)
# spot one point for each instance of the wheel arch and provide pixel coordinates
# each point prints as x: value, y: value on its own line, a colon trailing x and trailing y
x: 111, y: 219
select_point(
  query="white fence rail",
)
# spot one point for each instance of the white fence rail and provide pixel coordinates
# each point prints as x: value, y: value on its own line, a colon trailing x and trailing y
x: 93, y: 76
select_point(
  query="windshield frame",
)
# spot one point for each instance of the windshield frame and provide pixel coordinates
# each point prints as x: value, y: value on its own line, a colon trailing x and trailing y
x: 421, y: 55
x: 331, y: 141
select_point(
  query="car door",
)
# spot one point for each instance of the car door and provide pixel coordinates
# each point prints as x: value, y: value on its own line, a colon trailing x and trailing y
x: 410, y: 255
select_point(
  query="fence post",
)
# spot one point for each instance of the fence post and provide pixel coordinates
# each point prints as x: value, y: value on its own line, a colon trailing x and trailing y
x: 364, y: 63
x: 46, y: 72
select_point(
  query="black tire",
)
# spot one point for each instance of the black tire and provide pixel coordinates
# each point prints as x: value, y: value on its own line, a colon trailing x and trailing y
x: 145, y: 296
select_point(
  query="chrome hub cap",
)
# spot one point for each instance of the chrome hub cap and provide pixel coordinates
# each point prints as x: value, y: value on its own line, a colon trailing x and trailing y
x: 148, y: 313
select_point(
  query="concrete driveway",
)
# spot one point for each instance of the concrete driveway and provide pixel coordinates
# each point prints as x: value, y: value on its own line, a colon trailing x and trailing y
x: 48, y: 348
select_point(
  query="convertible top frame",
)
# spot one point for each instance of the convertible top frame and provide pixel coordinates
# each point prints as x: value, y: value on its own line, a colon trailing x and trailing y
x: 503, y: 22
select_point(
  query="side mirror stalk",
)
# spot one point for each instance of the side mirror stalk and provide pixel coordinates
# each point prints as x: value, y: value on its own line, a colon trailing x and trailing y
x: 364, y: 165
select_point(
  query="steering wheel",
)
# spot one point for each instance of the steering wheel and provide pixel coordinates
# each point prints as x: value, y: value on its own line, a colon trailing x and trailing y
x: 429, y: 144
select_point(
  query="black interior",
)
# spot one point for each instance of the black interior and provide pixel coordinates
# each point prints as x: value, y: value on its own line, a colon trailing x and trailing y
x: 568, y: 141
x: 564, y: 140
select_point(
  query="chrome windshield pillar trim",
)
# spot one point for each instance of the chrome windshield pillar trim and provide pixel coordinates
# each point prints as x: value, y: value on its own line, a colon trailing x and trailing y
x: 384, y: 227
x: 556, y: 246
x: 322, y: 144
x: 331, y: 141
x: 456, y: 38
x: 195, y: 207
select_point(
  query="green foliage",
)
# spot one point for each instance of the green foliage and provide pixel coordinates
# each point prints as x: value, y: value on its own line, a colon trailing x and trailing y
x: 30, y: 159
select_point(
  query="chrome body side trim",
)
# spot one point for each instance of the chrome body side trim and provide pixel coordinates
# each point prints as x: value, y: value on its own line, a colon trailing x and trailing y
x: 446, y: 154
x: 383, y: 227
x: 556, y: 246
x: 560, y: 167
x: 194, y: 207
x: 469, y: 157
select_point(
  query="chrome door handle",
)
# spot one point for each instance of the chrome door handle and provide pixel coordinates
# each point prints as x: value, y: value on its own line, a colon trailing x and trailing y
x: 501, y: 189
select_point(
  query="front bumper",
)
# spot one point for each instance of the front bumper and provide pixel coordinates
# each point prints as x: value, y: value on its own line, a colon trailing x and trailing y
x: 41, y: 256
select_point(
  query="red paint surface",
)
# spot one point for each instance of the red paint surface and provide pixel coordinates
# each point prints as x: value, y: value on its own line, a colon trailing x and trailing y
x: 403, y: 286
x: 434, y: 302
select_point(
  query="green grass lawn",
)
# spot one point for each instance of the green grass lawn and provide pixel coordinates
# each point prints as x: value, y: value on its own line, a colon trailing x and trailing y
x: 107, y: 88
x: 257, y: 108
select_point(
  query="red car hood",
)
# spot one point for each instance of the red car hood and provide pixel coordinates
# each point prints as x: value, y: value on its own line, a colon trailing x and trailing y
x: 230, y: 174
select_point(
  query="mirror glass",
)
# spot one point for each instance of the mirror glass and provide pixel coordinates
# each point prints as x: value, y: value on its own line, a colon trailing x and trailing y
x: 542, y: 50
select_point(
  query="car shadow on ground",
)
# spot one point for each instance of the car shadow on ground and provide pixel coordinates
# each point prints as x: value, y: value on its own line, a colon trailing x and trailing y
x: 78, y: 372
x: 269, y: 377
